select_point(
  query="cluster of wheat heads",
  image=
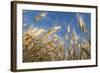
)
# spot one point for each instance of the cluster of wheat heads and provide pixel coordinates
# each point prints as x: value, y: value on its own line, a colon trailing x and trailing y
x: 40, y: 48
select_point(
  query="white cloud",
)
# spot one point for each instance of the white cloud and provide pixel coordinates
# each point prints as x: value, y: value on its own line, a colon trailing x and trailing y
x: 25, y: 24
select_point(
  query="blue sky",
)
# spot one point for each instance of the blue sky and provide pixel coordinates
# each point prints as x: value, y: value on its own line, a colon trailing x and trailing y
x: 57, y: 19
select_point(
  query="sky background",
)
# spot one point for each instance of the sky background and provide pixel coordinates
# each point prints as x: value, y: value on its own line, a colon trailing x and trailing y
x: 54, y: 18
